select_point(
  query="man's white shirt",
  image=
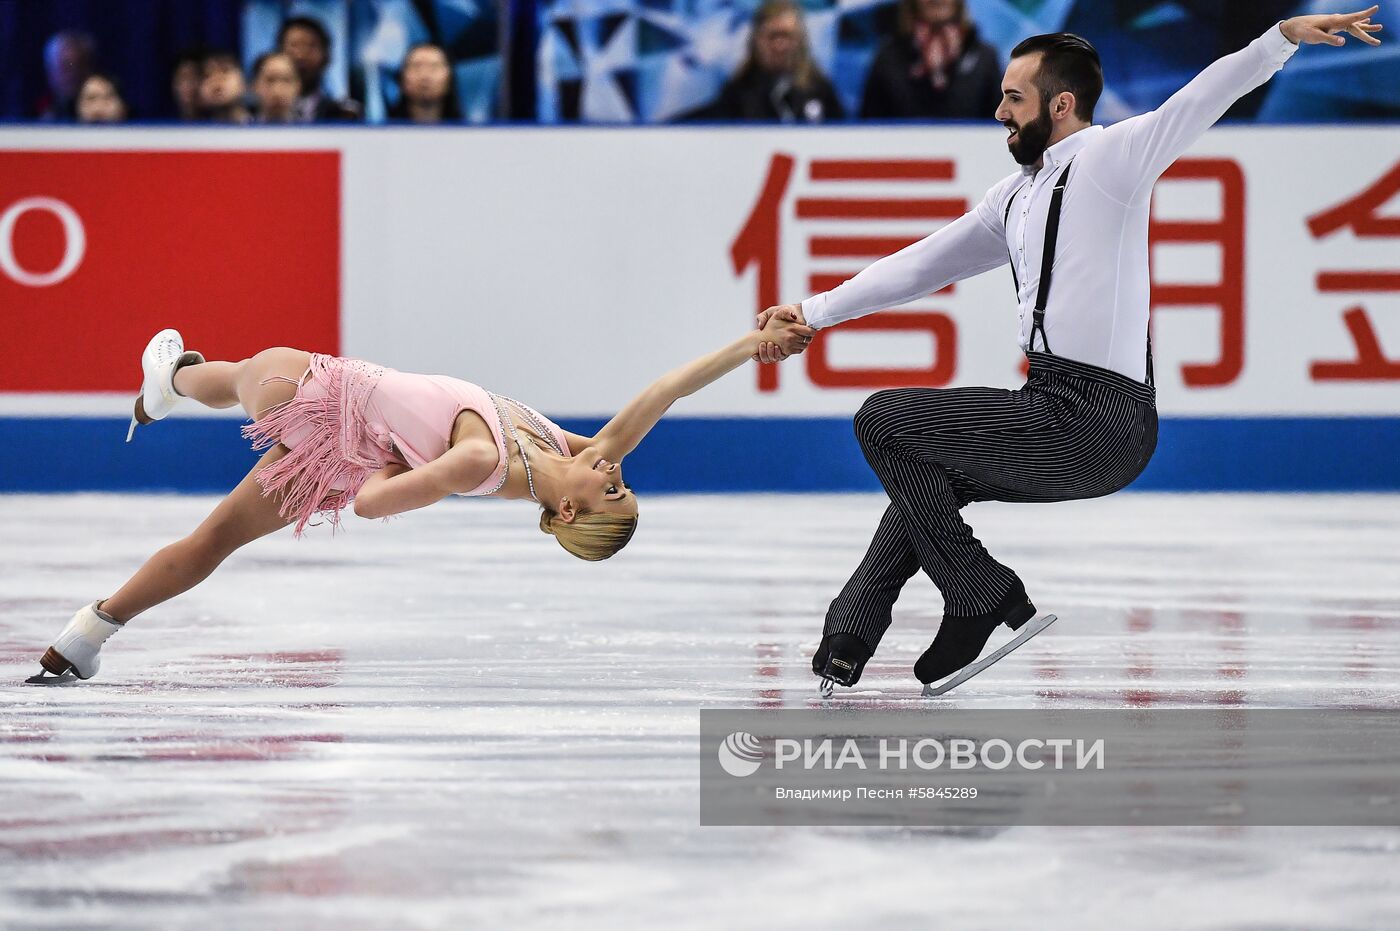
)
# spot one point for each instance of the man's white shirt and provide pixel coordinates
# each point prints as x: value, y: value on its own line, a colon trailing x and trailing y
x: 1098, y: 306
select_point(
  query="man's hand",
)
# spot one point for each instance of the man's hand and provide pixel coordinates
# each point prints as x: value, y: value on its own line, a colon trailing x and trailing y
x: 1330, y: 29
x: 795, y: 340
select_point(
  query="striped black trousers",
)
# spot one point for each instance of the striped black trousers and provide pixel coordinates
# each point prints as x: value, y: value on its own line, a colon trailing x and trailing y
x: 1073, y: 431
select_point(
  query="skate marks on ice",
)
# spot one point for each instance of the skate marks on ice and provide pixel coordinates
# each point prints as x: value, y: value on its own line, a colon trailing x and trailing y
x: 446, y: 718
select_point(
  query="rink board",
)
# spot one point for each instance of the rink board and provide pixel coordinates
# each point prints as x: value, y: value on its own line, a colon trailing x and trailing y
x: 689, y: 454
x: 572, y: 266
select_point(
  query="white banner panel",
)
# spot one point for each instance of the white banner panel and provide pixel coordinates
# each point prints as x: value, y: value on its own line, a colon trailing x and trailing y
x: 570, y: 266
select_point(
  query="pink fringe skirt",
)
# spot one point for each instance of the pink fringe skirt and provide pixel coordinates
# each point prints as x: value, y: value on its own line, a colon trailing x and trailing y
x: 332, y: 453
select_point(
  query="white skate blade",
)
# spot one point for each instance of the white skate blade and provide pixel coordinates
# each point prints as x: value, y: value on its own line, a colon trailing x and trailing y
x: 131, y: 429
x: 1001, y: 652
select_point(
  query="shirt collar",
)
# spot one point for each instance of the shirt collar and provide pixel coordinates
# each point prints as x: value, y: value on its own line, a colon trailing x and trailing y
x: 1066, y: 149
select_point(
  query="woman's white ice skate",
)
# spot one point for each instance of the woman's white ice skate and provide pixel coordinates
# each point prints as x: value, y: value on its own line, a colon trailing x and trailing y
x: 77, y: 647
x: 165, y: 354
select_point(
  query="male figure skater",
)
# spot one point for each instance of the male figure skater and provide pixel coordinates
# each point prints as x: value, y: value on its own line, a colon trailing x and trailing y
x: 1085, y: 424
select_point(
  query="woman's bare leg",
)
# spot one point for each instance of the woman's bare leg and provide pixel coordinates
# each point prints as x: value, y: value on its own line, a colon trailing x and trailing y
x: 221, y: 385
x: 243, y: 516
x: 213, y: 384
x: 240, y: 518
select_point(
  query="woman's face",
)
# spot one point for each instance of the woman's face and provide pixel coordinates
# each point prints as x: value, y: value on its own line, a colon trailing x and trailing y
x: 276, y: 86
x: 592, y: 483
x: 777, y: 42
x: 99, y: 102
x: 426, y: 75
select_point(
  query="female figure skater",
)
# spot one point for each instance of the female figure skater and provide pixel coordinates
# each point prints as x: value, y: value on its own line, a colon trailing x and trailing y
x: 339, y: 430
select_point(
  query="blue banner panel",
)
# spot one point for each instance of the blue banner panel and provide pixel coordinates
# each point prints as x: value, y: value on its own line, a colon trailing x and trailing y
x: 724, y: 454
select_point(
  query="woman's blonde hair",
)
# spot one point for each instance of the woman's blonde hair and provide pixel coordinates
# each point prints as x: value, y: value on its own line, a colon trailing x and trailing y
x: 592, y: 535
x: 803, y: 70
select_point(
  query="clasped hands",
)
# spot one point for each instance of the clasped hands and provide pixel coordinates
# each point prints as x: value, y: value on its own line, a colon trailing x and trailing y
x: 783, y: 333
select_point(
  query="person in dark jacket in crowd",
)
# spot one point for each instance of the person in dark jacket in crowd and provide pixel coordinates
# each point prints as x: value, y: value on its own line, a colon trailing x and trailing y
x: 778, y: 81
x: 935, y: 67
x: 69, y: 57
x: 308, y: 44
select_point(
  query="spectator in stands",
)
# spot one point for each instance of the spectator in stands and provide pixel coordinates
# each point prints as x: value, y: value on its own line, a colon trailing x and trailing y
x: 935, y: 67
x: 308, y: 44
x: 275, y: 85
x: 778, y: 80
x: 222, y: 90
x: 427, y: 87
x: 100, y: 100
x: 184, y: 84
x: 69, y: 57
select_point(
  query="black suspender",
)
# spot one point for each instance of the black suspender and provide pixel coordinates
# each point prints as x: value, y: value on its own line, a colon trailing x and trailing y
x: 1047, y: 264
x: 1151, y: 382
x: 1047, y: 260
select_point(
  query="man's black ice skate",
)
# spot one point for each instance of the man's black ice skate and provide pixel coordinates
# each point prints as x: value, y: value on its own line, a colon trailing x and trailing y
x: 839, y: 661
x: 960, y: 639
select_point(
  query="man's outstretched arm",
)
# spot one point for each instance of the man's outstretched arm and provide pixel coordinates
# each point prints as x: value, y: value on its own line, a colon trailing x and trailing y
x: 970, y: 245
x: 1148, y: 144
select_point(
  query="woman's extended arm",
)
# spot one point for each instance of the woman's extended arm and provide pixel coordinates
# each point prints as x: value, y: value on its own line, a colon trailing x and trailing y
x: 624, y: 432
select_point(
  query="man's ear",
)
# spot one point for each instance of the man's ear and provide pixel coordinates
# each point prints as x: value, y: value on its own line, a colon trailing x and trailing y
x: 567, y: 512
x: 1064, y: 105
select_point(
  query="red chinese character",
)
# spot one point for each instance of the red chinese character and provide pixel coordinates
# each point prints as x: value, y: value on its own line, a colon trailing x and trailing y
x: 760, y: 241
x: 1360, y: 216
x: 1226, y: 231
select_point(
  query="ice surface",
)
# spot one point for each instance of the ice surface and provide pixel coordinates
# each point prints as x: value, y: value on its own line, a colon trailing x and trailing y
x: 446, y: 720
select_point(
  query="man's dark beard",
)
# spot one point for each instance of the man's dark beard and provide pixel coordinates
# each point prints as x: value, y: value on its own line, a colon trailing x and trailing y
x: 1032, y: 139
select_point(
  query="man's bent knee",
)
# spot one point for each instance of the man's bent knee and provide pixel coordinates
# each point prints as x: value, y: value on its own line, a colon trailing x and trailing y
x: 879, y: 417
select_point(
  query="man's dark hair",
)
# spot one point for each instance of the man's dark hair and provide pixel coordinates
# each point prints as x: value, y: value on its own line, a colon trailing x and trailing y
x: 305, y: 22
x: 1069, y: 63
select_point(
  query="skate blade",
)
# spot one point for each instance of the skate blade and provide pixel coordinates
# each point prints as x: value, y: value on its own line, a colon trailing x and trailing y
x: 1028, y: 631
x: 46, y: 678
x: 827, y: 688
x: 138, y: 416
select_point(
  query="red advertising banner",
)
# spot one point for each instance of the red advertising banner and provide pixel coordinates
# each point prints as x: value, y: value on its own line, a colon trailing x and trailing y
x: 99, y: 250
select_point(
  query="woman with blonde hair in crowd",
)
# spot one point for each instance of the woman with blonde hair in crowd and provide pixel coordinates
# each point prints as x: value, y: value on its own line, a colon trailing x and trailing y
x: 341, y: 430
x: 935, y: 67
x: 778, y: 81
